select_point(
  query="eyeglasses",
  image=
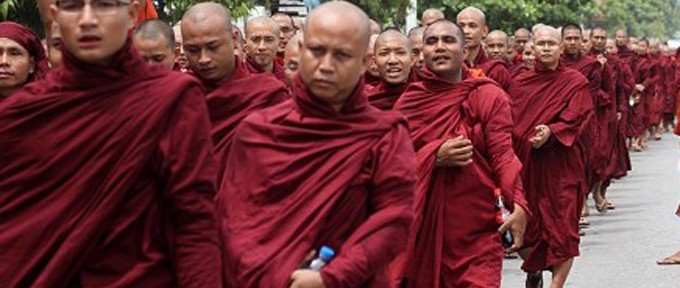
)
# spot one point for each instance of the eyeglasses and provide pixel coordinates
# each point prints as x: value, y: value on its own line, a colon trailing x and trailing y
x: 98, y: 6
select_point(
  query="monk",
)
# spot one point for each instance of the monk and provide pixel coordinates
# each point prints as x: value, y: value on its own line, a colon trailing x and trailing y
x: 473, y: 22
x: 430, y: 16
x: 118, y: 191
x: 393, y: 59
x: 672, y: 90
x: 618, y: 163
x: 415, y: 37
x: 181, y: 63
x: 372, y: 76
x: 521, y: 36
x: 288, y: 30
x: 497, y: 45
x: 262, y: 42
x: 610, y: 46
x: 461, y: 127
x: 586, y: 45
x: 663, y: 78
x: 292, y: 59
x: 155, y: 41
x: 646, y: 76
x: 601, y: 86
x: 240, y: 42
x: 528, y: 60
x: 326, y: 168
x: 232, y: 92
x: 551, y: 106
x: 22, y: 58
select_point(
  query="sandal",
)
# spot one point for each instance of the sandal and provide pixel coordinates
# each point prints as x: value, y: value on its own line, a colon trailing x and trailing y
x: 673, y: 260
x: 583, y: 222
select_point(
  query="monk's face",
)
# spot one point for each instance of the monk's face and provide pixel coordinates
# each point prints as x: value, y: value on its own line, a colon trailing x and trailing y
x: 521, y: 38
x: 497, y: 47
x: 443, y: 50
x: 643, y: 47
x: 473, y: 27
x: 95, y: 31
x: 292, y: 63
x: 16, y: 64
x: 54, y: 46
x: 370, y: 52
x: 586, y: 45
x: 547, y: 48
x: 287, y: 27
x: 572, y: 40
x: 598, y: 38
x: 622, y: 38
x: 528, y: 55
x: 333, y: 58
x: 393, y: 59
x: 209, y: 47
x: 262, y: 43
x: 654, y: 49
x: 611, y: 46
x: 417, y: 51
x: 157, y: 51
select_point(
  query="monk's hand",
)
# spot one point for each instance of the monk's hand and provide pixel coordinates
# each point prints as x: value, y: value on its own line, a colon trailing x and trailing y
x: 639, y: 87
x: 305, y: 278
x: 602, y: 60
x: 543, y: 133
x: 455, y: 152
x: 618, y: 116
x: 517, y: 224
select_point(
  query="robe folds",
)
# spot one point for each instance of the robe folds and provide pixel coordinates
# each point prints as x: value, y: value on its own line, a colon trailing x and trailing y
x: 645, y: 73
x: 492, y: 68
x: 278, y: 71
x: 383, y: 96
x: 553, y: 174
x: 302, y: 175
x: 107, y: 179
x: 596, y: 136
x: 239, y: 96
x: 455, y: 240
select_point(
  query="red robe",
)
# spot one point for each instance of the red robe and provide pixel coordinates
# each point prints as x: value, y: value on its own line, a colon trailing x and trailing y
x: 239, y: 96
x: 672, y: 89
x: 646, y: 73
x: 596, y: 137
x: 456, y: 245
x: 278, y: 70
x: 494, y: 69
x: 117, y: 191
x: 383, y: 96
x: 656, y: 104
x: 302, y: 175
x: 552, y: 175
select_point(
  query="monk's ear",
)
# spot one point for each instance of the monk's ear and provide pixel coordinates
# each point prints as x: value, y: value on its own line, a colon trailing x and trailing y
x: 485, y: 31
x: 368, y: 60
x: 133, y: 11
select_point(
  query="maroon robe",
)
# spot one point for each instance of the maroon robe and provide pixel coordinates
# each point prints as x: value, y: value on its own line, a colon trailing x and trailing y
x: 239, y: 96
x: 518, y: 69
x: 456, y: 245
x: 656, y: 104
x: 302, y: 175
x: 672, y: 90
x: 492, y: 68
x: 278, y: 70
x: 117, y: 189
x: 646, y: 73
x: 596, y: 137
x: 30, y: 41
x: 383, y: 96
x: 553, y: 174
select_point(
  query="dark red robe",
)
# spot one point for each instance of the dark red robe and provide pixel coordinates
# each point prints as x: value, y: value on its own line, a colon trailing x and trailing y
x: 302, y: 175
x: 656, y: 104
x: 278, y: 70
x: 553, y: 174
x: 456, y: 245
x: 108, y: 178
x: 596, y: 137
x: 494, y: 69
x: 383, y: 96
x: 645, y: 73
x: 239, y: 96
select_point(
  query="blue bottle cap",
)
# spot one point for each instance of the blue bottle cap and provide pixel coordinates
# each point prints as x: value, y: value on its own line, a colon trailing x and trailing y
x: 326, y: 253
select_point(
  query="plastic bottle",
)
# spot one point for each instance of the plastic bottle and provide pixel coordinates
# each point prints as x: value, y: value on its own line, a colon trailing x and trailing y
x: 326, y: 254
x: 507, y: 237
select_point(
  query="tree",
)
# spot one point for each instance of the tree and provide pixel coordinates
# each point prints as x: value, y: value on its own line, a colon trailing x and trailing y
x: 657, y: 19
x: 23, y: 12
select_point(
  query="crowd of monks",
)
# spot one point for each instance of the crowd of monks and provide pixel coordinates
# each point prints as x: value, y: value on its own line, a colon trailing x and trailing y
x: 139, y: 154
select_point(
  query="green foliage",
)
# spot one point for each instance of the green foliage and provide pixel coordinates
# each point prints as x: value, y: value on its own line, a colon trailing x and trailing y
x: 658, y: 19
x: 391, y: 13
x: 176, y: 8
x: 24, y: 12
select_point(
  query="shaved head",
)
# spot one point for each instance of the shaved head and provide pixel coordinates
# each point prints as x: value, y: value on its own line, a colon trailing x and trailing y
x: 547, y: 41
x: 499, y: 35
x: 262, y: 22
x: 522, y: 35
x: 337, y: 9
x: 393, y: 57
x: 262, y: 42
x: 291, y: 58
x: 155, y: 29
x: 458, y: 31
x: 430, y: 16
x: 473, y: 12
x: 547, y: 30
x: 497, y: 45
x: 203, y: 12
x: 392, y: 35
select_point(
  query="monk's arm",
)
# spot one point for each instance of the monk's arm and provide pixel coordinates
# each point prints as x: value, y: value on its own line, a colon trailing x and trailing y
x: 188, y: 172
x: 626, y: 86
x: 384, y: 234
x: 505, y: 164
x: 569, y: 124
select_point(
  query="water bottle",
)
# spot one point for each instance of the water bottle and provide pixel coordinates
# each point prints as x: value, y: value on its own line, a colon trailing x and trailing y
x: 504, y: 213
x: 325, y: 256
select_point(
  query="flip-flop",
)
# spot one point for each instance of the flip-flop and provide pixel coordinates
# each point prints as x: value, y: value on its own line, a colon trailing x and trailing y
x: 610, y: 206
x: 669, y: 261
x: 583, y: 222
x: 510, y: 256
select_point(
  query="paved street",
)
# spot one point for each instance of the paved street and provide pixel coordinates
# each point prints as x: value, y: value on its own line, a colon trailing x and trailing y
x: 621, y: 247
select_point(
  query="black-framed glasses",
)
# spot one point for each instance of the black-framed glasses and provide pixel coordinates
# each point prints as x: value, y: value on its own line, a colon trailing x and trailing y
x: 99, y: 6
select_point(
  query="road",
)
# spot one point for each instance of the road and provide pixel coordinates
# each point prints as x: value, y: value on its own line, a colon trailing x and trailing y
x: 621, y: 247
